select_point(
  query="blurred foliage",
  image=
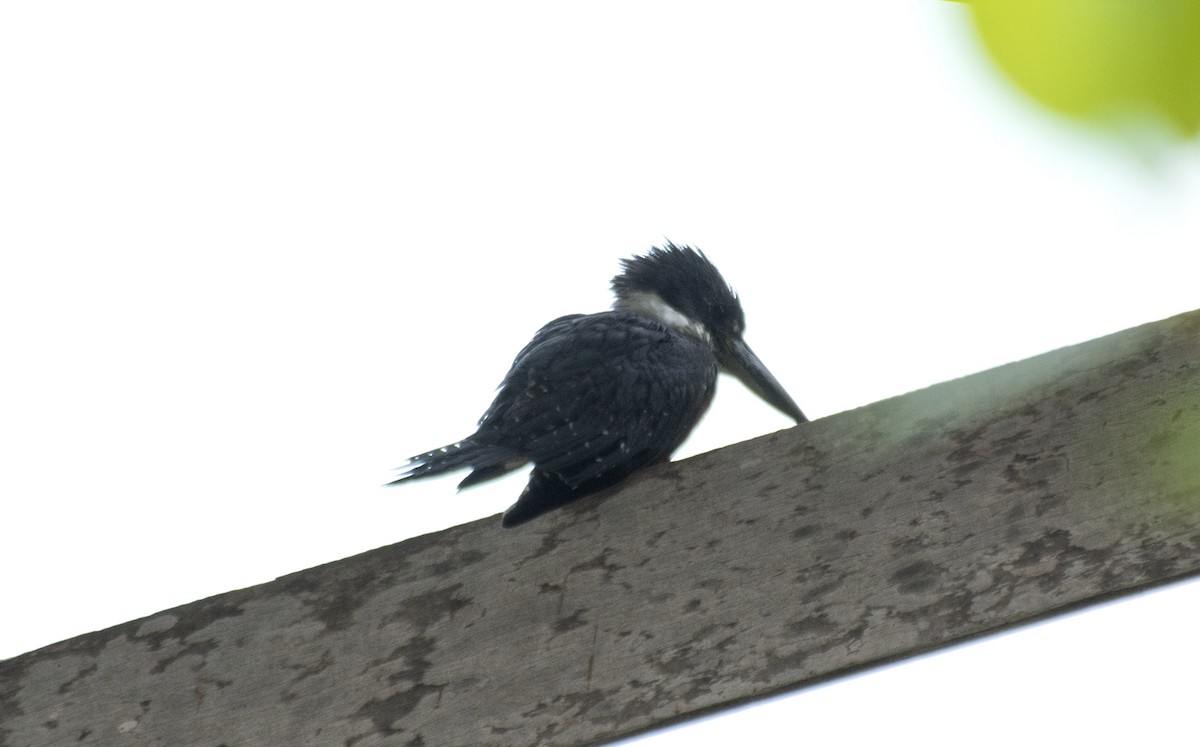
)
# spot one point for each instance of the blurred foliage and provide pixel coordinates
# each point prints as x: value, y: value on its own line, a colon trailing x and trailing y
x: 1173, y: 449
x: 1111, y: 61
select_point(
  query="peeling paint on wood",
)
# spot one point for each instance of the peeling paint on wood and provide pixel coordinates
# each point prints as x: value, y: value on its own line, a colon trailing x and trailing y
x: 883, y: 532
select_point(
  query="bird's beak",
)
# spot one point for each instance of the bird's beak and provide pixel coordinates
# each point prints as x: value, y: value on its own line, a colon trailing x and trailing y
x: 738, y: 359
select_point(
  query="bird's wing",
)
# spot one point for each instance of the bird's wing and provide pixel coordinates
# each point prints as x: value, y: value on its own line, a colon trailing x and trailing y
x: 596, y: 397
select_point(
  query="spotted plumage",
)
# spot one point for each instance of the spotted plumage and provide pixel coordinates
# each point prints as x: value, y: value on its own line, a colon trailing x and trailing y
x: 593, y: 398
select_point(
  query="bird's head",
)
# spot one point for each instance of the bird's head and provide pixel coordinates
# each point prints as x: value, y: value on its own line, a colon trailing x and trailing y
x: 679, y: 287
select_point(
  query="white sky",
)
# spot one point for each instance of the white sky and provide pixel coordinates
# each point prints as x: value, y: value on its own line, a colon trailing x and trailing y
x: 255, y: 254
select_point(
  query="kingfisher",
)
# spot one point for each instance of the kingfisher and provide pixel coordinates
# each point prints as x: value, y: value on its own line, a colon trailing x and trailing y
x: 594, y: 398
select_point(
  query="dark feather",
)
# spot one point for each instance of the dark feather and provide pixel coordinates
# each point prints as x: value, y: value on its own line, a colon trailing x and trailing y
x: 594, y: 398
x: 590, y: 400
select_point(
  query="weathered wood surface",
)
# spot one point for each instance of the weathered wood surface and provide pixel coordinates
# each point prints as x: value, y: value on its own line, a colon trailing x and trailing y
x: 883, y: 532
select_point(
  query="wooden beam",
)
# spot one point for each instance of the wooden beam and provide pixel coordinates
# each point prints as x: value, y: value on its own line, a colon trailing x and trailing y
x: 969, y: 507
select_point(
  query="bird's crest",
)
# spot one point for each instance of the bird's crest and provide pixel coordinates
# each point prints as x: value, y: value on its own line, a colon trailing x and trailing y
x: 687, y: 283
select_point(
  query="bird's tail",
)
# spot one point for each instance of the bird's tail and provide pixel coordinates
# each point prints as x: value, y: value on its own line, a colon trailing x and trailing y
x: 486, y: 462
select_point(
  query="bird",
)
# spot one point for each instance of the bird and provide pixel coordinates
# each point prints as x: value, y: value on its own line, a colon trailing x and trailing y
x: 593, y: 398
